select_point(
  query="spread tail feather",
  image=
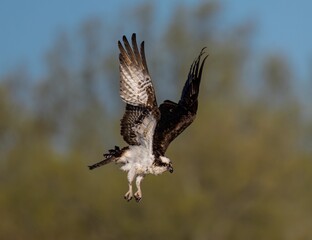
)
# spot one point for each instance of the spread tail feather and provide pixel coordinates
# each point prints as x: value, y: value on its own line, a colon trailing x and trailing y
x: 112, y: 155
x: 101, y: 163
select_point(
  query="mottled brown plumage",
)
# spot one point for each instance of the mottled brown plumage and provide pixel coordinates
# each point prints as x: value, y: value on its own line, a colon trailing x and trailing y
x: 136, y: 89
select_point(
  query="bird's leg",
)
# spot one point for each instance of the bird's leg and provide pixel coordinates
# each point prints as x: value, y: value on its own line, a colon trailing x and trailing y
x: 138, y: 194
x: 128, y: 196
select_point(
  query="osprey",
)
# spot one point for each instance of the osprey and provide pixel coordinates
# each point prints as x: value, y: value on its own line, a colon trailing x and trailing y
x: 147, y: 128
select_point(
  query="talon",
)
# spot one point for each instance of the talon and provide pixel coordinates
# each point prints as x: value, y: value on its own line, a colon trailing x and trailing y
x: 137, y: 197
x: 128, y: 196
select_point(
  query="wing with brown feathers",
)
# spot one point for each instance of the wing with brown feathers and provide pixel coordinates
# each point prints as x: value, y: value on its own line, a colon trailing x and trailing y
x: 136, y: 86
x: 176, y: 117
x: 136, y: 89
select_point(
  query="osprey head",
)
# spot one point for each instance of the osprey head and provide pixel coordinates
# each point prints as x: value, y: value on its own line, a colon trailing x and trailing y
x: 161, y: 165
x: 165, y: 162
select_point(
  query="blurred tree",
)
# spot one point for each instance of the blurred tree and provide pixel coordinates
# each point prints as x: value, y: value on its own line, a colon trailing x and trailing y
x: 277, y: 81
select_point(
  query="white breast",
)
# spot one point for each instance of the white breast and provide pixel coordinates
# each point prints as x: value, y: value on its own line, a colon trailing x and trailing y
x: 137, y: 158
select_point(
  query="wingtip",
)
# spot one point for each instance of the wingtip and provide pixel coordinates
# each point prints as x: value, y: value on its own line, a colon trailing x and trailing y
x: 203, y: 49
x: 205, y: 58
x: 202, y: 66
x: 126, y: 42
x: 202, y: 52
x: 133, y: 38
x: 198, y: 60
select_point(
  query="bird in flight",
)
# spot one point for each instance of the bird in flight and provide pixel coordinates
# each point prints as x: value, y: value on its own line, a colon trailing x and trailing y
x: 147, y: 128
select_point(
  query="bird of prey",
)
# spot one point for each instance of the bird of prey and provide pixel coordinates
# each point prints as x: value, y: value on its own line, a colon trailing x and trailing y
x: 147, y: 128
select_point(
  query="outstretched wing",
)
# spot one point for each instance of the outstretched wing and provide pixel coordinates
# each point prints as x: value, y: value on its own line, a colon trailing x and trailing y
x: 176, y: 117
x: 136, y: 89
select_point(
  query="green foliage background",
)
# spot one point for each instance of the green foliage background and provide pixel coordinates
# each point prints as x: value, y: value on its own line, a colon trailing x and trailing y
x: 243, y: 170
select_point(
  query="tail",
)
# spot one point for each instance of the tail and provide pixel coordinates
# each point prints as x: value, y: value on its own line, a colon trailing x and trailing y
x: 112, y: 155
x: 101, y: 163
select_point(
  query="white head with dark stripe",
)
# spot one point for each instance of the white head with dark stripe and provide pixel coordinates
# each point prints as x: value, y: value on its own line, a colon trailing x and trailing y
x: 161, y: 165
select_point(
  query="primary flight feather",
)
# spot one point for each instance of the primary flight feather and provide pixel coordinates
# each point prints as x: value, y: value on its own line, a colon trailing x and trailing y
x: 147, y: 128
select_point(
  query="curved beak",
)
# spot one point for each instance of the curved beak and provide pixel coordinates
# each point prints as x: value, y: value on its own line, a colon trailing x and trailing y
x: 170, y: 168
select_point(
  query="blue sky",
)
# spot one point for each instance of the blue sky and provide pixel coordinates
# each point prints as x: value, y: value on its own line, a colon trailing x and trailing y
x: 28, y: 28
